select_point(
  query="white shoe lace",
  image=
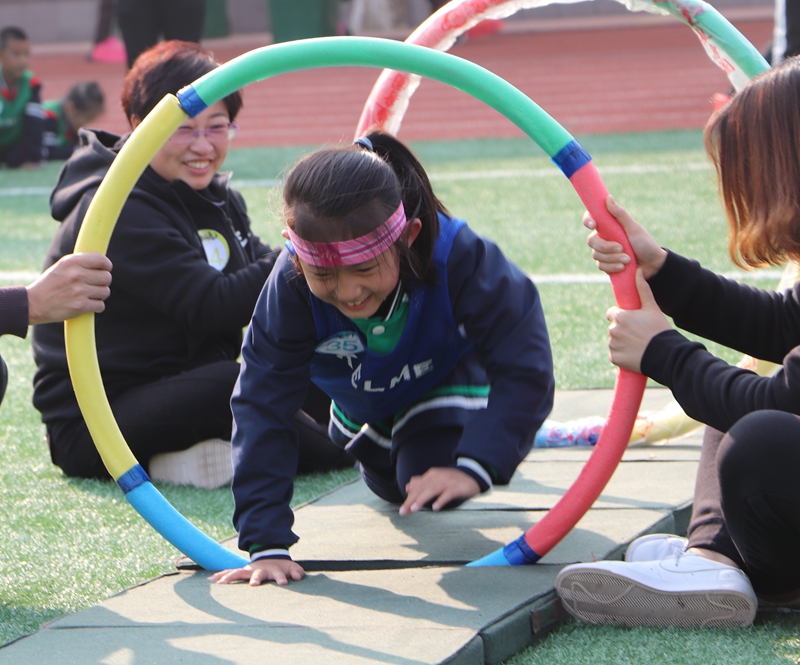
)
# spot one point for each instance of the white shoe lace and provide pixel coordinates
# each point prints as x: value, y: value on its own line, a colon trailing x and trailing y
x: 677, y: 549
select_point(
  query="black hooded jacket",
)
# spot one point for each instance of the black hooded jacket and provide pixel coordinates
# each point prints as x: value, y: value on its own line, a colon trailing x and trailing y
x: 169, y: 310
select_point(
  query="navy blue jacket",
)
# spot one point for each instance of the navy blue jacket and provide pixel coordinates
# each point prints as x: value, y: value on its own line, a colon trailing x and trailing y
x: 500, y: 312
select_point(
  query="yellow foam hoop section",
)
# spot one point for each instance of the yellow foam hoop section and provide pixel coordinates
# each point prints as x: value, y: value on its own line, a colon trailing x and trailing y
x: 94, y: 236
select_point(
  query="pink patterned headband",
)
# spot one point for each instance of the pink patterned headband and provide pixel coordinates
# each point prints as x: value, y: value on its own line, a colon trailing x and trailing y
x: 351, y: 252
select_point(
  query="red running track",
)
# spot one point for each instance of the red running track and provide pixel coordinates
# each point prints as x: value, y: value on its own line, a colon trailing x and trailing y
x: 624, y: 79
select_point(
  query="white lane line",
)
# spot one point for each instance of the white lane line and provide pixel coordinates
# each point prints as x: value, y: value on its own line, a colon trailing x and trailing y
x: 25, y: 191
x: 596, y: 278
x: 553, y: 172
x: 25, y: 276
x: 635, y: 169
x: 499, y: 174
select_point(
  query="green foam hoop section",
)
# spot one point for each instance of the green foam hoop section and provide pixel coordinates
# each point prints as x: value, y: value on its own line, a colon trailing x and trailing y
x: 466, y: 76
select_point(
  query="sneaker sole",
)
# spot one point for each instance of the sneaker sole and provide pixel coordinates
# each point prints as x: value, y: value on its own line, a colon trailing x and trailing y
x: 602, y: 597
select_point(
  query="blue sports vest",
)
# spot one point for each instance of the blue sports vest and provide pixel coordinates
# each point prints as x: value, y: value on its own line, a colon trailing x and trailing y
x: 369, y: 386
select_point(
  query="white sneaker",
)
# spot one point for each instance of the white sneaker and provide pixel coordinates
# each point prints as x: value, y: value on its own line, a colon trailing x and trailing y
x: 685, y: 590
x: 206, y: 464
x: 654, y: 547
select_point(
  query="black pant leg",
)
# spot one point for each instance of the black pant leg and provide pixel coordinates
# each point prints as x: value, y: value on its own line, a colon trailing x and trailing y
x: 317, y: 451
x: 758, y: 461
x: 425, y: 441
x: 792, y: 28
x: 3, y: 378
x: 140, y: 24
x: 174, y: 414
x: 183, y: 19
x: 168, y: 415
x: 428, y: 440
x: 317, y: 405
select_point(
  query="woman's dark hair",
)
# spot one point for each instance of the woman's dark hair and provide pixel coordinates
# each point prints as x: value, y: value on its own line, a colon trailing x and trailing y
x: 343, y: 193
x: 166, y: 68
x: 754, y: 142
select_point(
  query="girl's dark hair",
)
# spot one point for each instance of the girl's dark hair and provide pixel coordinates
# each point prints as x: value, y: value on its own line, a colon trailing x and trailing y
x: 343, y: 193
x: 166, y: 68
x: 754, y: 142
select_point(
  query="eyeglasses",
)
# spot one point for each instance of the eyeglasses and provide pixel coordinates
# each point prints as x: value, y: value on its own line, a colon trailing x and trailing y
x: 214, y: 134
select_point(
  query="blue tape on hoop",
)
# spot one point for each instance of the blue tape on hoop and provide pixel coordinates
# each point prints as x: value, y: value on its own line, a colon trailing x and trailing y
x: 571, y: 158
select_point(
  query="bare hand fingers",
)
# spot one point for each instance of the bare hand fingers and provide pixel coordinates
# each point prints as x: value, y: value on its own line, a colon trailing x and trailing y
x: 418, y: 493
x: 410, y: 505
x: 96, y: 261
x: 608, y: 254
x: 218, y: 575
x: 230, y: 575
x: 603, y: 246
x: 645, y: 293
x: 612, y: 313
x: 443, y: 499
x: 277, y: 576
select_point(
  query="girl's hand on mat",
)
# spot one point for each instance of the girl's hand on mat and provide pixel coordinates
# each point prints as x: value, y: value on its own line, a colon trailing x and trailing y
x: 262, y: 570
x: 632, y: 329
x: 608, y: 253
x: 440, y: 485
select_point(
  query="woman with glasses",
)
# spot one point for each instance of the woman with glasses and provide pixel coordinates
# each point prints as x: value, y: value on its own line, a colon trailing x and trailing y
x: 187, y: 273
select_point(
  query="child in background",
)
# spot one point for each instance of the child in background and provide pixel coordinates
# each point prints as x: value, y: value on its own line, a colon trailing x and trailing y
x: 63, y: 118
x: 21, y: 116
x: 432, y: 345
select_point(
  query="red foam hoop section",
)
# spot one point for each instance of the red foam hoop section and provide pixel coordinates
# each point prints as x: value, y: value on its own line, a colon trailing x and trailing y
x: 628, y: 390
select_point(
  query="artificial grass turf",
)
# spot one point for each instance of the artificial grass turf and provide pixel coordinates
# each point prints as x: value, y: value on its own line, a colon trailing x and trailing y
x: 70, y: 543
x: 772, y: 640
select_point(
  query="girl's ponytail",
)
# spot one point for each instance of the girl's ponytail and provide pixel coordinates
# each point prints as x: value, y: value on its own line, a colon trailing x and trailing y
x: 418, y: 201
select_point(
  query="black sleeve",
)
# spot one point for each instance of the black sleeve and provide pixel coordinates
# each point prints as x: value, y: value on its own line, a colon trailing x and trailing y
x: 14, y: 311
x: 763, y: 324
x: 714, y: 392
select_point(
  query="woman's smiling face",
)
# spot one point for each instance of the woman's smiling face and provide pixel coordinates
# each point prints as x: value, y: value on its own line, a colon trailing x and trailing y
x: 196, y: 162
